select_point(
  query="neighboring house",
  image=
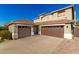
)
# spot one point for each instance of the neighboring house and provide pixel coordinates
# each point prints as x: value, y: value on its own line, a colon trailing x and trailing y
x: 20, y: 28
x: 59, y: 23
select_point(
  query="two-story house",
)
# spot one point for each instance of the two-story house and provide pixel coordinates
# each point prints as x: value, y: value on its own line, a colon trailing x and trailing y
x: 59, y: 23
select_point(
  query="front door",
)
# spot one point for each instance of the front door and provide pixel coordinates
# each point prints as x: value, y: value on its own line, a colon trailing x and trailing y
x: 36, y: 30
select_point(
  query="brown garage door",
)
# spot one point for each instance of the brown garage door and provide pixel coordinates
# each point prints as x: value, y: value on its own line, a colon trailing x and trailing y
x: 24, y: 31
x: 56, y: 31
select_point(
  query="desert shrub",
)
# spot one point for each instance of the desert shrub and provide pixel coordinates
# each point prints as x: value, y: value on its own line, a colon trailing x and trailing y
x: 5, y: 34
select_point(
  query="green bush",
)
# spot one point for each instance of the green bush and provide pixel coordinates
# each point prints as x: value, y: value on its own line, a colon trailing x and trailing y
x: 5, y: 34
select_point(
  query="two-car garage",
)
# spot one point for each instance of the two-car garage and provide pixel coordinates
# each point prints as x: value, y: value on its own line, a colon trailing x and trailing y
x: 56, y: 31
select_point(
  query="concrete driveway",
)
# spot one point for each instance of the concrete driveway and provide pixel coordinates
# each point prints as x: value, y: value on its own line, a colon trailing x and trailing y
x: 68, y: 47
x: 33, y: 44
x: 40, y: 44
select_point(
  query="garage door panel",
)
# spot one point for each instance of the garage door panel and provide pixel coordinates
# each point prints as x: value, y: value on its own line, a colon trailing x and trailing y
x: 51, y: 31
x: 24, y: 32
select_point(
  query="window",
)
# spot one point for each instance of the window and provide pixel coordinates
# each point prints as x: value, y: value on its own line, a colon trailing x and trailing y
x: 52, y: 13
x: 22, y: 26
x: 19, y: 27
x: 41, y: 17
x: 52, y: 26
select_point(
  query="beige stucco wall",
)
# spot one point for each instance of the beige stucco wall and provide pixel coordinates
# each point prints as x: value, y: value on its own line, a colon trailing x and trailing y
x: 68, y: 14
x: 37, y: 20
x: 68, y: 31
x: 45, y: 18
x: 67, y: 28
x: 12, y: 29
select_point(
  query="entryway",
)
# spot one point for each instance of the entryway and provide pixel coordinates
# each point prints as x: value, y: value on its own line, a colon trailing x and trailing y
x: 36, y: 30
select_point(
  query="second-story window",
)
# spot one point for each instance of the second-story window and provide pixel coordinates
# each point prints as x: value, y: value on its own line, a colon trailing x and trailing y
x: 52, y: 13
x: 41, y: 17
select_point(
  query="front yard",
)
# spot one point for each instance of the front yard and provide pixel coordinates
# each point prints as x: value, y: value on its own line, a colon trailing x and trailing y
x: 40, y: 44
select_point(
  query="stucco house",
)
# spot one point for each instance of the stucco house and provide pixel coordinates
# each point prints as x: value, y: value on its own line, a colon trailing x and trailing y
x: 59, y: 23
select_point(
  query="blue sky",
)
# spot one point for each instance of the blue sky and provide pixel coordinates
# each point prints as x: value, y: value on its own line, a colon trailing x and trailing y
x: 9, y: 12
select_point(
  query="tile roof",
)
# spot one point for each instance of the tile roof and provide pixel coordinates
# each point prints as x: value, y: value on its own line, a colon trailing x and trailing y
x: 54, y: 22
x: 20, y: 22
